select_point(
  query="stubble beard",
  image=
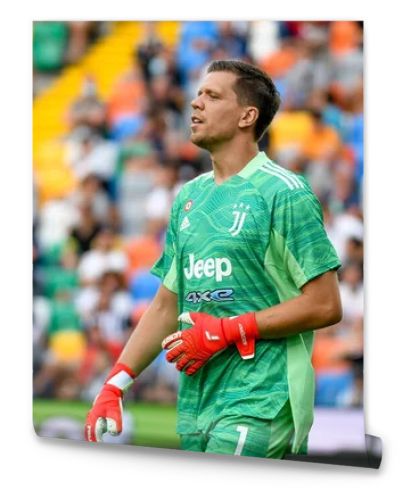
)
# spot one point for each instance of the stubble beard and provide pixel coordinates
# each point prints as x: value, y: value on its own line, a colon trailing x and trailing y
x: 201, y: 142
x: 208, y: 143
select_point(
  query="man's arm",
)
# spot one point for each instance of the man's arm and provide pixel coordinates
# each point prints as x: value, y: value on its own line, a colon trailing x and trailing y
x: 142, y: 347
x: 317, y: 306
x: 159, y: 321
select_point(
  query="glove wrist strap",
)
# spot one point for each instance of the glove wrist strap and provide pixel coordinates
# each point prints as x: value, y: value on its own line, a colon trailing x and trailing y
x: 242, y: 331
x: 121, y: 377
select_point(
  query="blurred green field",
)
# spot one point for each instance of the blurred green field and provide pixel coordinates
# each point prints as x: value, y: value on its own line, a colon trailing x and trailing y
x: 154, y: 423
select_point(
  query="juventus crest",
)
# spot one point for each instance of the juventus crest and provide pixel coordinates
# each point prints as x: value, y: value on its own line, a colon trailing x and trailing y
x: 239, y: 212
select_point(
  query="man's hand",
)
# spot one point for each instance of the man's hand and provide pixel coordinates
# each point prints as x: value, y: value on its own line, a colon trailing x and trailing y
x: 106, y: 413
x: 190, y: 349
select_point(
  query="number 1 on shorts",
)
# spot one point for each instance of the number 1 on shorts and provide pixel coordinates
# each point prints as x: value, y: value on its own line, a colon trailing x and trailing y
x: 242, y: 429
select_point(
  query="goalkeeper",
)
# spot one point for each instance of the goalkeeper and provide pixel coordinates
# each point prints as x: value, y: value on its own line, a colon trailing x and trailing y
x: 247, y: 274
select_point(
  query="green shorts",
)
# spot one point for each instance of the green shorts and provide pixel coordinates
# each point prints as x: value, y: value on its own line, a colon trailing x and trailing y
x: 247, y: 436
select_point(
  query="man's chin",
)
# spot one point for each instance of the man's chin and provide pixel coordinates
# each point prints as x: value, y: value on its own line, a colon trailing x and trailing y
x: 201, y: 142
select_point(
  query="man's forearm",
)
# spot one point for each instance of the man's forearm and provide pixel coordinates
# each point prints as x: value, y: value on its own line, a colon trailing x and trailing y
x: 294, y: 316
x: 318, y: 306
x: 159, y: 321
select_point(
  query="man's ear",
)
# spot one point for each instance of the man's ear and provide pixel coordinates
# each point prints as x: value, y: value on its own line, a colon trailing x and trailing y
x: 249, y: 117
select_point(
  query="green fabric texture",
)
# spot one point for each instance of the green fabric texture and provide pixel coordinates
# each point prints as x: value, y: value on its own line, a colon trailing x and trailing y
x: 245, y: 436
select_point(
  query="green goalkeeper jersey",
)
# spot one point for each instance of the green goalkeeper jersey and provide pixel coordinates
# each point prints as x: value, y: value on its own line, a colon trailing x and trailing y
x: 240, y: 246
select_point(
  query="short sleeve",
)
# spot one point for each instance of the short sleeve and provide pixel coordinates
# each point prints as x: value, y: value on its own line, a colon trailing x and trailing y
x: 304, y: 245
x: 165, y: 267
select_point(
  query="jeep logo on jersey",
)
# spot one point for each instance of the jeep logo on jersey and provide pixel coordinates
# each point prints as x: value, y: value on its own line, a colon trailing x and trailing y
x: 239, y: 213
x: 220, y: 267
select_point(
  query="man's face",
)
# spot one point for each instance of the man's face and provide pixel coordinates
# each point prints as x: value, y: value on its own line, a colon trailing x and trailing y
x: 216, y: 111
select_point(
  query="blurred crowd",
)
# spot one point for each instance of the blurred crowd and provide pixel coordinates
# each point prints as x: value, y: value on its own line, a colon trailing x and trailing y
x: 93, y: 249
x: 57, y: 44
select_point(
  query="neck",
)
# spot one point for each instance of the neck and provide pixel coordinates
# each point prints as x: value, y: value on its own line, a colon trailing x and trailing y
x: 229, y: 159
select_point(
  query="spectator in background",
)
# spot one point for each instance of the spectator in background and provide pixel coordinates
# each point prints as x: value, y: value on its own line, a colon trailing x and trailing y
x: 79, y: 34
x: 144, y: 249
x: 160, y: 199
x: 134, y: 181
x: 85, y: 230
x: 334, y: 372
x: 89, y: 154
x: 321, y: 151
x: 197, y: 40
x: 155, y: 130
x: 93, y: 196
x: 40, y: 323
x: 322, y: 143
x: 57, y: 217
x: 232, y: 39
x: 355, y: 251
x: 282, y: 60
x: 105, y: 310
x: 147, y: 52
x: 62, y: 275
x: 309, y: 74
x: 63, y: 314
x: 315, y: 34
x: 104, y: 256
x: 342, y: 228
x: 88, y: 110
x: 126, y: 106
x: 279, y: 63
x: 112, y: 284
x: 352, y: 295
x: 263, y: 39
x: 338, y: 350
x: 347, y: 57
x: 65, y: 345
x: 109, y: 328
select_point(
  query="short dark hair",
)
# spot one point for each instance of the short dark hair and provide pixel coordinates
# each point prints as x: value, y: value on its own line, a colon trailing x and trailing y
x: 253, y: 87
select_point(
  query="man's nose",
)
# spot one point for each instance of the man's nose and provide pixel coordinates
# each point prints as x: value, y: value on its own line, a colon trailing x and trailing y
x: 197, y: 103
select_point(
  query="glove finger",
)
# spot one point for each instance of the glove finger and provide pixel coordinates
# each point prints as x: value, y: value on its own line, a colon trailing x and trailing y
x: 114, y: 419
x: 99, y: 429
x: 90, y: 426
x: 183, y: 362
x: 112, y: 427
x: 194, y: 367
x: 171, y: 340
x: 175, y: 352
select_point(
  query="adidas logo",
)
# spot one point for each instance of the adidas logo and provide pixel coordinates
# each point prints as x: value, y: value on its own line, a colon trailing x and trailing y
x: 185, y: 224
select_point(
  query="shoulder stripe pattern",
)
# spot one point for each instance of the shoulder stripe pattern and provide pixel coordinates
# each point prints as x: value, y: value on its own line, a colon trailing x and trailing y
x: 291, y: 180
x: 287, y: 181
x: 286, y: 173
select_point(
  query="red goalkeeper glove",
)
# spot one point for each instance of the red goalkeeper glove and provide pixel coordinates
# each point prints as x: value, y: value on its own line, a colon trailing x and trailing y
x: 106, y: 413
x: 190, y: 349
